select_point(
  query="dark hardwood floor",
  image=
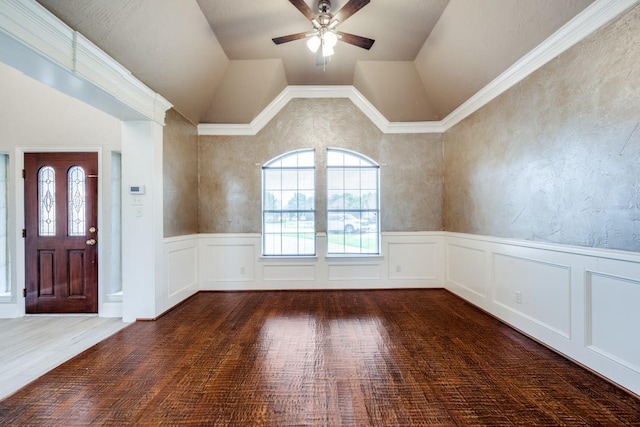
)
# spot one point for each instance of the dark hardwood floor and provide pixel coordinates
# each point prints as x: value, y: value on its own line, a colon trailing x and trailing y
x: 401, y: 357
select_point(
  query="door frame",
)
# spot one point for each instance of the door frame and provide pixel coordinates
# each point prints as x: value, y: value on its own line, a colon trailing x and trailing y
x: 19, y: 256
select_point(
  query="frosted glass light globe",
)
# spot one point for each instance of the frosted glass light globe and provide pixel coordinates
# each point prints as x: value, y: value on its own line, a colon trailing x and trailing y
x: 313, y: 44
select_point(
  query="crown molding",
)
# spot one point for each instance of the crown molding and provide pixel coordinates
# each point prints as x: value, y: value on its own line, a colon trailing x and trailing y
x: 32, y: 26
x: 292, y: 92
x: 582, y: 25
x: 72, y: 57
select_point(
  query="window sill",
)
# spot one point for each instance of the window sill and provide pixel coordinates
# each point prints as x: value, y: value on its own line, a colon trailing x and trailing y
x: 355, y: 256
x: 288, y: 257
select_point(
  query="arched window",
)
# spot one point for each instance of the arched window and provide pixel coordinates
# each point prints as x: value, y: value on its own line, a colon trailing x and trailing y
x: 353, y: 203
x: 76, y: 197
x: 288, y: 205
x: 47, y: 201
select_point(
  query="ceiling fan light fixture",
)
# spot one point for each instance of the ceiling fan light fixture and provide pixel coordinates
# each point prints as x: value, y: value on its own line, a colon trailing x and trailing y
x: 323, y: 37
x: 314, y: 43
x: 330, y: 39
x: 327, y: 50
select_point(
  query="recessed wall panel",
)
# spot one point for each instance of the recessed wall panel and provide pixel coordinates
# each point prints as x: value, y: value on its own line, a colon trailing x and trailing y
x: 537, y: 289
x: 286, y: 273
x: 182, y: 269
x: 354, y: 272
x: 413, y: 260
x: 613, y: 318
x: 466, y: 268
x: 232, y: 263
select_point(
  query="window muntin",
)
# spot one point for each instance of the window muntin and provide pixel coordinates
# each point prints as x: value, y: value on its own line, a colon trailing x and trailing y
x: 288, y: 205
x: 353, y: 207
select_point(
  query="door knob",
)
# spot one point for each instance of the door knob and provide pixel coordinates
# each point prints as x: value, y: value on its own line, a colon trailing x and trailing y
x: 91, y: 242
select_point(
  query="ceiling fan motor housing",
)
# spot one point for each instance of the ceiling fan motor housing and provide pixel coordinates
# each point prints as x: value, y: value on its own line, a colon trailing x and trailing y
x: 324, y: 6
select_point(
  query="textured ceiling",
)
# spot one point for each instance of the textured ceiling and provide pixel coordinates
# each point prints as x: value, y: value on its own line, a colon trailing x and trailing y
x: 215, y: 62
x: 399, y: 27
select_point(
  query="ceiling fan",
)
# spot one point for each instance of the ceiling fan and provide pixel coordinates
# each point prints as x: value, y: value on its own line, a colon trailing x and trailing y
x: 323, y: 37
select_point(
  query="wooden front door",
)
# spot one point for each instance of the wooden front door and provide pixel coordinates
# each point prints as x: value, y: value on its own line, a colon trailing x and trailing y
x: 61, y: 219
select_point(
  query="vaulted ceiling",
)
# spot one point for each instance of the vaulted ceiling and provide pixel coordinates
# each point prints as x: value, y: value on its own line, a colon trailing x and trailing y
x: 214, y: 60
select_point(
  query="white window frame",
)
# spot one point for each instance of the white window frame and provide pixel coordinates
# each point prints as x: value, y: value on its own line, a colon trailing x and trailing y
x: 5, y: 254
x: 347, y: 225
x: 288, y: 231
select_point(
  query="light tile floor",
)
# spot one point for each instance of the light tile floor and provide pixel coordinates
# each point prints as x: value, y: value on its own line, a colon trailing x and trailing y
x: 33, y: 345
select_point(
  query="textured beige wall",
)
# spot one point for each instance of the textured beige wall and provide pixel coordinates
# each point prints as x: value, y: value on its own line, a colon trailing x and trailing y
x: 556, y: 158
x: 180, y: 175
x: 230, y: 167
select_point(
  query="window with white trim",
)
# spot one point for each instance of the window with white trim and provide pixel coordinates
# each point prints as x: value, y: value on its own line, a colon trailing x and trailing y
x: 288, y: 205
x: 5, y: 259
x: 353, y: 203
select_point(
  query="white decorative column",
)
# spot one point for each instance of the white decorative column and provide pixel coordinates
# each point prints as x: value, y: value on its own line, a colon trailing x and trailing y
x: 142, y: 220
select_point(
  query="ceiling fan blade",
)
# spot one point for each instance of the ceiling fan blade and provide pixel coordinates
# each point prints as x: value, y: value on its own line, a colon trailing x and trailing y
x: 359, y: 41
x: 349, y: 9
x: 304, y: 8
x: 289, y: 38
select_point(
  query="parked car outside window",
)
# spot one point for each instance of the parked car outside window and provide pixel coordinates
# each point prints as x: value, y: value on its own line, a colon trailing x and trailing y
x: 343, y: 223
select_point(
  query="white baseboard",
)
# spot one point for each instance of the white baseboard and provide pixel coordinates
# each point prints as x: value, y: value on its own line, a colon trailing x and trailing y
x: 111, y: 309
x: 10, y: 311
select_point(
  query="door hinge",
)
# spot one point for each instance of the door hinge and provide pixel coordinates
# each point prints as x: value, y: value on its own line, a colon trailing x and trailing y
x: 24, y: 292
x: 24, y: 232
x: 24, y: 173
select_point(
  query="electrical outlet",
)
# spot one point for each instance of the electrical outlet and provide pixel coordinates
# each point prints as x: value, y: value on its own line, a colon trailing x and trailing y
x: 242, y: 270
x: 397, y: 268
x: 518, y: 297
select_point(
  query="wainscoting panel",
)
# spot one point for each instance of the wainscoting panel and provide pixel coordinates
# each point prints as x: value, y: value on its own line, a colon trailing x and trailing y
x: 613, y: 318
x: 465, y: 266
x: 582, y: 302
x: 234, y: 262
x: 413, y: 260
x: 288, y: 273
x: 182, y: 269
x: 181, y: 276
x: 225, y: 259
x: 538, y: 290
x: 354, y: 271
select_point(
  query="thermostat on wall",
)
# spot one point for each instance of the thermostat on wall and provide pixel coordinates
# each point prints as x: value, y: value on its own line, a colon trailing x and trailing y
x: 136, y: 189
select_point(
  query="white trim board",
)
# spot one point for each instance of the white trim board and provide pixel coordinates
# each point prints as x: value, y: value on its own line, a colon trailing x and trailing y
x: 582, y: 25
x: 40, y: 45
